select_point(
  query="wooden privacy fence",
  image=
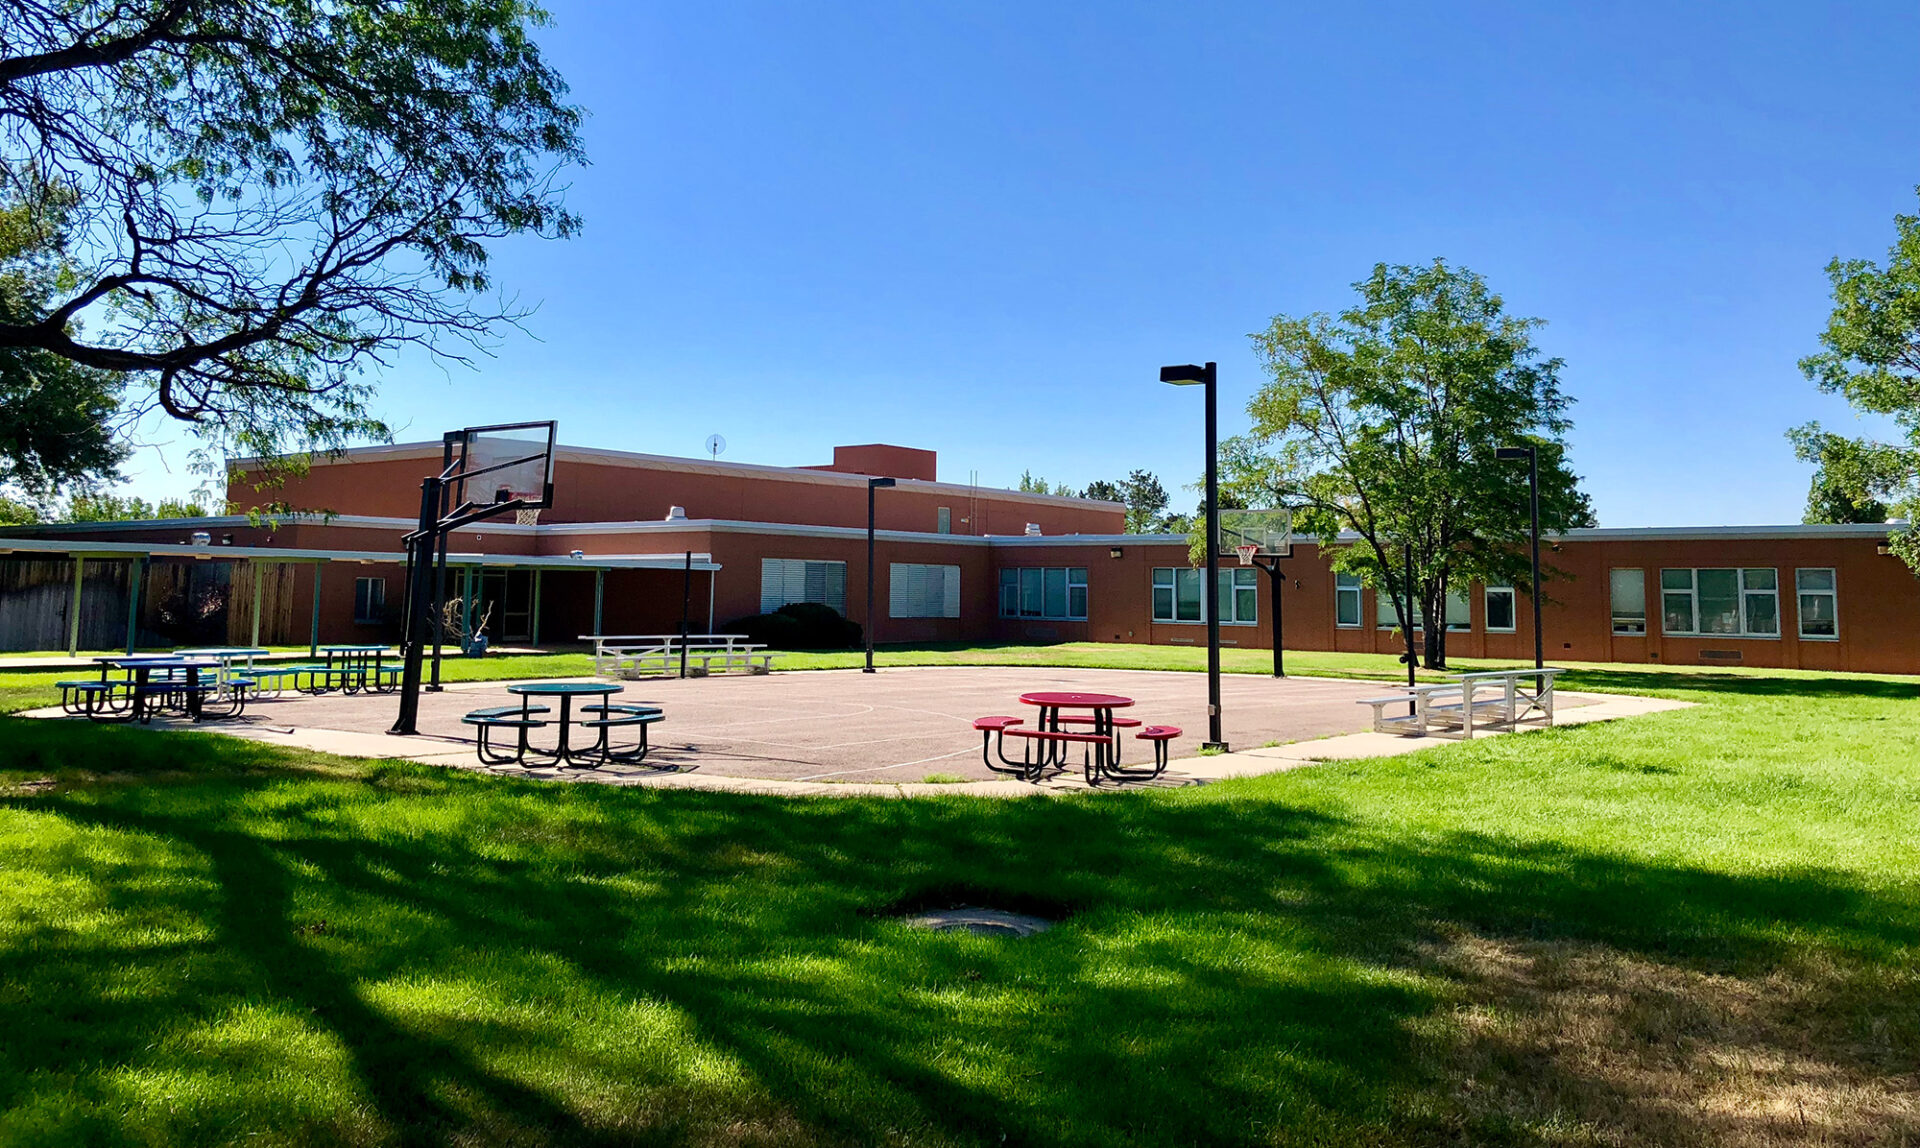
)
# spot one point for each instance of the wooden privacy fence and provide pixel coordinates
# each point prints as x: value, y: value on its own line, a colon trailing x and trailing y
x: 182, y: 603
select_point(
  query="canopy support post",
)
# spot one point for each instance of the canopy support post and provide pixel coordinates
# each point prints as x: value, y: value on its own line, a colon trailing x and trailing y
x: 136, y: 575
x: 259, y: 581
x: 73, y: 614
x: 535, y: 635
x: 313, y: 628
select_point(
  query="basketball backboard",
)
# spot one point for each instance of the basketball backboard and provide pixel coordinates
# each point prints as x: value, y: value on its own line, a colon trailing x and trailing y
x: 1270, y: 531
x: 511, y: 463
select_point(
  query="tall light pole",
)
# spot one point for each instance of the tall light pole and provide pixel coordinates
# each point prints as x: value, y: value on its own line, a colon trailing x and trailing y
x: 1208, y: 377
x: 873, y: 484
x: 1532, y: 455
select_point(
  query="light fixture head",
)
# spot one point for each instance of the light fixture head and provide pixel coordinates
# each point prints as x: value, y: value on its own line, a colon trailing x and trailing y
x: 1513, y: 453
x: 880, y: 482
x: 1187, y: 375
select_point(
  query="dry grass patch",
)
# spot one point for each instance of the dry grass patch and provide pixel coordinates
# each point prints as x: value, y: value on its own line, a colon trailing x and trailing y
x: 1581, y: 1044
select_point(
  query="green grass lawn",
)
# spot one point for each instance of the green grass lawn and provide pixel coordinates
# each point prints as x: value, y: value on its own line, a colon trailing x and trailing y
x: 1696, y: 927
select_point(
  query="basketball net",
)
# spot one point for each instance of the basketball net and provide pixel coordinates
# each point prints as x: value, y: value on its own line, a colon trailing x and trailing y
x: 526, y: 517
x: 1246, y: 553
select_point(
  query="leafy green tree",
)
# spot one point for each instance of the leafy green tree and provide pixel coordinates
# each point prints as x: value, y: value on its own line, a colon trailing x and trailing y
x: 1383, y: 420
x: 105, y: 506
x: 1871, y: 355
x: 55, y: 414
x: 1850, y: 477
x: 1030, y: 484
x: 18, y: 512
x: 268, y: 198
x: 179, y: 508
x: 1142, y: 494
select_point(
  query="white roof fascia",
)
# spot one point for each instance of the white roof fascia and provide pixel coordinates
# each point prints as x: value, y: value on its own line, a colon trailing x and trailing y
x: 93, y: 548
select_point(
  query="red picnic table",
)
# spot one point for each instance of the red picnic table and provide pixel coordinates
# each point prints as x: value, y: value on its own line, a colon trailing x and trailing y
x: 1101, y: 744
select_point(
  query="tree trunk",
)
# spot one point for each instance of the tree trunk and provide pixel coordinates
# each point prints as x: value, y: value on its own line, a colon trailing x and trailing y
x: 1436, y: 629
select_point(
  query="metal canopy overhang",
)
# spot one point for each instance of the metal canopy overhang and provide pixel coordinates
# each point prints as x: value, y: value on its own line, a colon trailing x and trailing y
x: 128, y: 550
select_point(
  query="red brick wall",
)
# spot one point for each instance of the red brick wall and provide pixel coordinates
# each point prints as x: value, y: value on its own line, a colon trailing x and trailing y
x: 640, y: 490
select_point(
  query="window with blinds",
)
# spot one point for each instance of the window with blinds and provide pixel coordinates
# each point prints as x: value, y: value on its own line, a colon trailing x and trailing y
x: 784, y: 580
x: 917, y: 591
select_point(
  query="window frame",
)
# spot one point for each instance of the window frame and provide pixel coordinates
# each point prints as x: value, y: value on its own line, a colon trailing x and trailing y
x: 826, y: 576
x: 1016, y: 579
x: 1613, y: 612
x: 1231, y: 579
x: 1513, y: 609
x: 1831, y: 593
x: 1742, y: 592
x: 1357, y: 589
x: 905, y: 572
x: 360, y: 618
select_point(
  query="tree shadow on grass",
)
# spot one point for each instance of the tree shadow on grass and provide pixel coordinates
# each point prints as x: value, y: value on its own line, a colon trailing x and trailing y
x: 1625, y: 679
x: 581, y: 965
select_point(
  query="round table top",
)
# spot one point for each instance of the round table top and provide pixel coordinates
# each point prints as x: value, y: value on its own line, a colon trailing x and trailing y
x: 157, y: 661
x: 556, y: 688
x: 1076, y: 701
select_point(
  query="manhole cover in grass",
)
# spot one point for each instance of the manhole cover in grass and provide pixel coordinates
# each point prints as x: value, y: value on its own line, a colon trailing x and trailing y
x: 980, y: 922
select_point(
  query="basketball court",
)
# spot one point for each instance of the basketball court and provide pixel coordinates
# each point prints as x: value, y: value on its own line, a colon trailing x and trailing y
x: 898, y: 725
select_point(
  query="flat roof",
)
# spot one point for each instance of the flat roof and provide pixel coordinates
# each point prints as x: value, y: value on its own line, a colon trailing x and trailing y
x: 92, y: 548
x: 793, y: 529
x: 604, y: 456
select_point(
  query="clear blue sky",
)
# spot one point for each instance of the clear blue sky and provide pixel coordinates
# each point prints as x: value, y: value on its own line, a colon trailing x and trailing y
x: 982, y: 227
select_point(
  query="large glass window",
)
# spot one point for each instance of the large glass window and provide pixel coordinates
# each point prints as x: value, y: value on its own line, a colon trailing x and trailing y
x: 1628, y: 589
x: 1459, y: 612
x: 369, y: 601
x: 1177, y: 596
x: 784, y: 580
x: 916, y: 590
x: 1819, y: 603
x: 1239, y: 596
x: 1500, y: 609
x: 1721, y: 601
x: 1676, y: 601
x: 1387, y: 618
x: 1044, y: 592
x: 1346, y: 600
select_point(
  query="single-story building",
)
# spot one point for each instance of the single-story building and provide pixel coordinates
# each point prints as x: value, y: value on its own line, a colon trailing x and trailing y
x: 633, y: 541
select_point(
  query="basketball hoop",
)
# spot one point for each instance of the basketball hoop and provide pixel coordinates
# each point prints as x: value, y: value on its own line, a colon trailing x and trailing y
x: 1246, y: 553
x: 527, y: 516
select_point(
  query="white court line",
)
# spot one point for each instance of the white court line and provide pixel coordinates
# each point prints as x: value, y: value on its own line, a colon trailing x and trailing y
x: 878, y: 768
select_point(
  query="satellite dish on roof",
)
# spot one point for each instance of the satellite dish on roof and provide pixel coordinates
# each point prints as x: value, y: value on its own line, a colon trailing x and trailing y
x: 715, y: 444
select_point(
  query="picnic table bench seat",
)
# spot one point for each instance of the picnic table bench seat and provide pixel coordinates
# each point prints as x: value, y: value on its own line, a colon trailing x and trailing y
x: 82, y: 698
x: 1116, y: 721
x: 1454, y: 709
x: 633, y: 655
x: 1054, y: 735
x: 485, y: 721
x: 614, y: 715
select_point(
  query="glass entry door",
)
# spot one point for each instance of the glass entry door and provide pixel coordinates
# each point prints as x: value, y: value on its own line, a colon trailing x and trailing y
x: 509, y: 594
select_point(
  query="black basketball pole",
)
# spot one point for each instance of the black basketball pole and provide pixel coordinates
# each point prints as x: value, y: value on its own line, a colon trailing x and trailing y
x: 1274, y: 576
x: 686, y: 604
x: 420, y: 552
